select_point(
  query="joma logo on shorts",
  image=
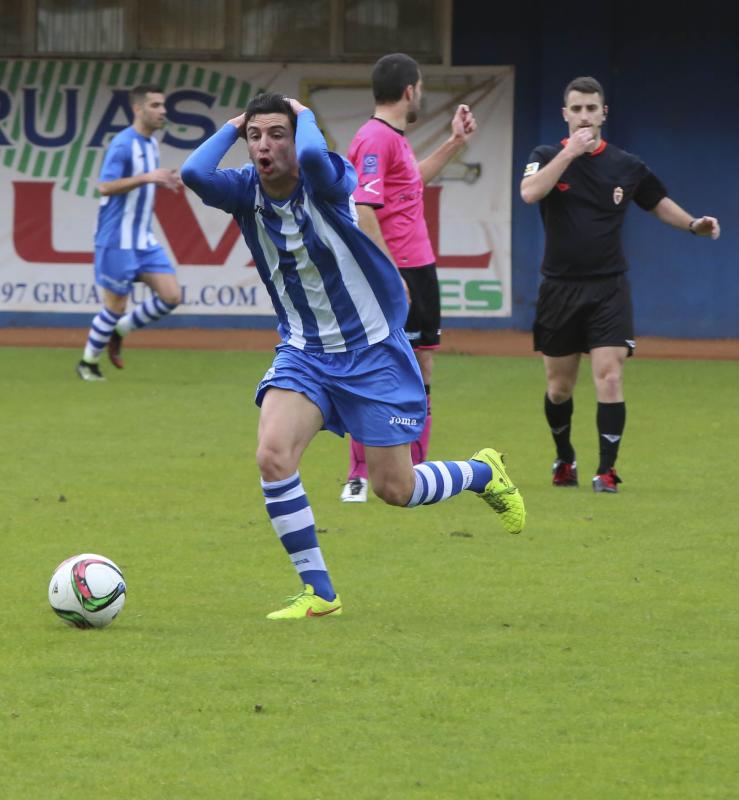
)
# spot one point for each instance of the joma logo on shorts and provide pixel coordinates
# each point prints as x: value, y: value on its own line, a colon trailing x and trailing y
x: 403, y: 421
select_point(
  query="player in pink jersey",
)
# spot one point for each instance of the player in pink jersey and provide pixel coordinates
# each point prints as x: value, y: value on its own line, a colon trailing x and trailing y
x: 389, y: 201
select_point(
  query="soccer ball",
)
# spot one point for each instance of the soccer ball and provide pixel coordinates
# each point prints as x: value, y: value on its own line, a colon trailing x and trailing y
x: 87, y: 591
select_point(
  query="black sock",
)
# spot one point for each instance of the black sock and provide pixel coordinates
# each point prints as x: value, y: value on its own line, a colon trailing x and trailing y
x: 558, y: 416
x: 611, y: 420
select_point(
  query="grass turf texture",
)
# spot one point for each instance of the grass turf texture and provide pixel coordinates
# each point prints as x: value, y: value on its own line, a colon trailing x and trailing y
x: 594, y: 656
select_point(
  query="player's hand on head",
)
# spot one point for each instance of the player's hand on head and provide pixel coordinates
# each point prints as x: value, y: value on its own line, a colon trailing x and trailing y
x: 296, y: 105
x: 239, y: 123
x: 706, y: 226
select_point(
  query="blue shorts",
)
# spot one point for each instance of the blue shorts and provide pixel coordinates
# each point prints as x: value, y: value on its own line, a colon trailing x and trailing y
x: 375, y: 393
x: 117, y: 269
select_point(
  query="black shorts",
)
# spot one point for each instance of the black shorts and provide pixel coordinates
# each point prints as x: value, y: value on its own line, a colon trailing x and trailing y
x: 423, y: 325
x: 575, y: 316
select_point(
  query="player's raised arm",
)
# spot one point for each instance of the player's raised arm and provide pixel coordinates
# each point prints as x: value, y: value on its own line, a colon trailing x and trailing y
x: 464, y: 125
x: 323, y: 169
x: 200, y: 172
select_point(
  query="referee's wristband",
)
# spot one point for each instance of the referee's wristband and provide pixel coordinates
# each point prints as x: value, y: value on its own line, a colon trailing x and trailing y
x: 691, y: 227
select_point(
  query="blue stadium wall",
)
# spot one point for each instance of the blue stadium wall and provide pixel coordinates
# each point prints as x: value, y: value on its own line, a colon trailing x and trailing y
x: 671, y: 77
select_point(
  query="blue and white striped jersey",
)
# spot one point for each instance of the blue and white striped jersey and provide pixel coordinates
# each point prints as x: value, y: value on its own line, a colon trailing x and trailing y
x: 124, y: 220
x: 333, y: 289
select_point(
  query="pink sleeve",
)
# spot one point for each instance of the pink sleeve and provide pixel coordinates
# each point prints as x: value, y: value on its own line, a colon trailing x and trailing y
x: 371, y: 158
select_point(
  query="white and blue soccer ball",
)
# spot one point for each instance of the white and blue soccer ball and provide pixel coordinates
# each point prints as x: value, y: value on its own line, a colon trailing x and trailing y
x: 87, y: 591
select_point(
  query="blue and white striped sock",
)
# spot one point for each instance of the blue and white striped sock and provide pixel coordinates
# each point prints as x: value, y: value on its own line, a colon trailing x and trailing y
x: 440, y: 480
x: 99, y: 335
x: 152, y: 309
x: 292, y: 519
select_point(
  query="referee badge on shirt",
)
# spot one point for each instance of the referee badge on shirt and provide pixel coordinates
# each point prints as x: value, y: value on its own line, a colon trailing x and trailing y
x: 531, y: 169
x: 618, y: 195
x: 369, y: 164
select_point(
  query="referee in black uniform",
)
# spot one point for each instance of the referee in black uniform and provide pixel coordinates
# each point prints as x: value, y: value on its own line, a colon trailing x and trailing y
x: 583, y: 186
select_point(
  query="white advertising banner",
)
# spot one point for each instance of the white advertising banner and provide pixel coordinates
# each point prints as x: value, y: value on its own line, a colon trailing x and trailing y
x: 56, y: 118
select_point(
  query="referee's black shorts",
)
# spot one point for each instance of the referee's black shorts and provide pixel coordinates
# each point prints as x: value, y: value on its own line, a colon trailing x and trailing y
x: 575, y: 316
x: 423, y: 325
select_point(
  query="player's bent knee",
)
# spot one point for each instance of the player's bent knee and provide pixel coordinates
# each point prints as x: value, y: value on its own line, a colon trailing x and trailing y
x: 274, y: 464
x: 392, y: 493
x: 172, y: 298
x: 117, y: 306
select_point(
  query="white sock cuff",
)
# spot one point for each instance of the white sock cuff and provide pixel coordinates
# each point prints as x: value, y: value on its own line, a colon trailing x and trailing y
x: 279, y: 484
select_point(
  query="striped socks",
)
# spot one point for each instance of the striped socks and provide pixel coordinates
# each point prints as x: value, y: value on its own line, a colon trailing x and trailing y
x: 440, y: 480
x: 152, y: 309
x: 99, y: 335
x: 103, y: 325
x: 292, y: 519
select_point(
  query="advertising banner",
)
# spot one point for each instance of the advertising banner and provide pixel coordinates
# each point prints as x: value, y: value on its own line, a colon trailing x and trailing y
x: 57, y: 116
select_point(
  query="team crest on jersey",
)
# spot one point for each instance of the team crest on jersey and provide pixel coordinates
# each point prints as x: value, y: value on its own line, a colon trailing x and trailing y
x: 369, y: 164
x: 531, y: 169
x: 618, y: 195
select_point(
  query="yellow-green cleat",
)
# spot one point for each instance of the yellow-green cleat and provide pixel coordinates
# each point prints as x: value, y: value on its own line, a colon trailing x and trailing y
x: 307, y: 604
x: 500, y: 493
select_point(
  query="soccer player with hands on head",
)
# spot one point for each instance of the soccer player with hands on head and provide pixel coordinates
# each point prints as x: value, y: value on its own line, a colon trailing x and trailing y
x: 583, y: 186
x: 344, y: 363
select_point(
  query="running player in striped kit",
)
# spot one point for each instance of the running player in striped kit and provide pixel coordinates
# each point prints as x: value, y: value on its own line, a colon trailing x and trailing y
x: 345, y: 363
x: 125, y: 248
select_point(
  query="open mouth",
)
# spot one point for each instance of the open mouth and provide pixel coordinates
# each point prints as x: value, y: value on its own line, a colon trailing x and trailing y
x: 265, y: 165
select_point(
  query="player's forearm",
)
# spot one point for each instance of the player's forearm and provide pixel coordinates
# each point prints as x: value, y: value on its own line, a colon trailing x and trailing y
x: 123, y: 185
x: 200, y: 170
x: 370, y: 226
x: 431, y: 166
x: 312, y: 152
x: 537, y: 186
x: 669, y: 212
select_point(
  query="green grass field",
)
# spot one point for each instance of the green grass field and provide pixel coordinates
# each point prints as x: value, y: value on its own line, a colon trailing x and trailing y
x: 593, y: 656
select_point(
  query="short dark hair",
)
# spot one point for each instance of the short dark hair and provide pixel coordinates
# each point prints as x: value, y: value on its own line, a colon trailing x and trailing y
x: 138, y: 93
x: 391, y: 75
x: 271, y: 103
x: 586, y: 85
